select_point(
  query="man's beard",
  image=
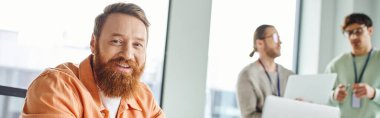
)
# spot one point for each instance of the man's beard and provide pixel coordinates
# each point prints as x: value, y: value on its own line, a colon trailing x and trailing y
x: 271, y: 52
x: 114, y: 83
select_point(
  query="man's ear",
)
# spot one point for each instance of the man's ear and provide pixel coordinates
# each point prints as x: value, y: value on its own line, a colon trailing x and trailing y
x: 259, y: 43
x: 92, y: 44
x: 370, y: 30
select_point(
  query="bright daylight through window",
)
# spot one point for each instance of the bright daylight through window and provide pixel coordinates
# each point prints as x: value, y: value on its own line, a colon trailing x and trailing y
x: 231, y: 38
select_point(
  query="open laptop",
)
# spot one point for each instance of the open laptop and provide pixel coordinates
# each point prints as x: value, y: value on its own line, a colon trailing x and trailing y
x: 276, y: 107
x: 311, y: 88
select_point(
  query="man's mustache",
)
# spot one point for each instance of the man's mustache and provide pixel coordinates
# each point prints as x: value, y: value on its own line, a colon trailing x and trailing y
x: 130, y: 62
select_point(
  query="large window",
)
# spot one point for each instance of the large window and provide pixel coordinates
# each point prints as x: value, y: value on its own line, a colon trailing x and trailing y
x: 37, y: 34
x: 231, y: 40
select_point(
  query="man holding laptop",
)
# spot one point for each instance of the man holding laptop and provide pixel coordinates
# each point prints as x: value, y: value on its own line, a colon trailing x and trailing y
x: 357, y: 88
x: 263, y: 77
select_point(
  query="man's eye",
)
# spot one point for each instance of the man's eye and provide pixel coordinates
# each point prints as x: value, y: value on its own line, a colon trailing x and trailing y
x: 137, y: 44
x: 116, y: 42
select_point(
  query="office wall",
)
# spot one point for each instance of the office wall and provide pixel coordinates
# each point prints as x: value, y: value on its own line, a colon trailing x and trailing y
x: 186, y: 58
x: 321, y: 36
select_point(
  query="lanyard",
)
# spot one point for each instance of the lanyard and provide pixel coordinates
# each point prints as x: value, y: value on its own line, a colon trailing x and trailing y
x: 270, y: 80
x: 358, y: 80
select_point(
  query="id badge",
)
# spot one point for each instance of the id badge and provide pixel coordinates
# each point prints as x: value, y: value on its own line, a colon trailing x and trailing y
x: 355, y: 102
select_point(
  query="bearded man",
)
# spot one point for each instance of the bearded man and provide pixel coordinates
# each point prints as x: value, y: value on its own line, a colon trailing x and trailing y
x: 263, y: 77
x: 107, y: 83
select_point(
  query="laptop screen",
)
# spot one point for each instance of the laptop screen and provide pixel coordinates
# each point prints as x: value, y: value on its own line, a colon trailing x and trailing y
x: 310, y: 88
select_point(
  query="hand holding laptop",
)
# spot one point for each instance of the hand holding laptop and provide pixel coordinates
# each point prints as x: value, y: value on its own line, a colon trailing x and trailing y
x: 303, y: 100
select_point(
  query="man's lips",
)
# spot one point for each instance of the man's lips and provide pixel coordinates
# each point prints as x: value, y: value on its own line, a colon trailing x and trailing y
x: 124, y: 67
x: 356, y: 43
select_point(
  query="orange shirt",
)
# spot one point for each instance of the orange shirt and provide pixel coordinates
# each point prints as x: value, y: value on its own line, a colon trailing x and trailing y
x: 69, y: 91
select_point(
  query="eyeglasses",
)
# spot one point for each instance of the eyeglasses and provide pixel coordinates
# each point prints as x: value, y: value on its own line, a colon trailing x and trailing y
x: 356, y: 32
x: 275, y: 37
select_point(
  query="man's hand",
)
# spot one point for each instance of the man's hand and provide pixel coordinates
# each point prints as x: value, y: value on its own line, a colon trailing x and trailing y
x: 363, y: 90
x: 340, y: 93
x: 302, y: 100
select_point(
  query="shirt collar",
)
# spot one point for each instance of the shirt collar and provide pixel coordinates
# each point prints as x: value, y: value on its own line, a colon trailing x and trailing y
x: 130, y: 104
x: 87, y: 77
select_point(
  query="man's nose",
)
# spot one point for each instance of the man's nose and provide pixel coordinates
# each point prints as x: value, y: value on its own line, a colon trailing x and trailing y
x: 353, y: 36
x: 279, y: 42
x: 127, y: 52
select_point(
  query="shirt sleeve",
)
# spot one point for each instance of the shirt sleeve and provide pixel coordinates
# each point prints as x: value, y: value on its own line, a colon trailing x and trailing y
x: 155, y: 109
x: 332, y: 102
x: 376, y: 99
x: 247, y: 99
x: 49, y: 96
x: 159, y: 114
x: 330, y: 69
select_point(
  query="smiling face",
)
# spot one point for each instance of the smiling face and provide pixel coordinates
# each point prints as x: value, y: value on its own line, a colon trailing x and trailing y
x: 120, y: 54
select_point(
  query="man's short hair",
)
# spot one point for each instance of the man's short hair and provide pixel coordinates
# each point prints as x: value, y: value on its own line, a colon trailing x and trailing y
x: 359, y: 18
x: 259, y: 34
x: 125, y: 8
